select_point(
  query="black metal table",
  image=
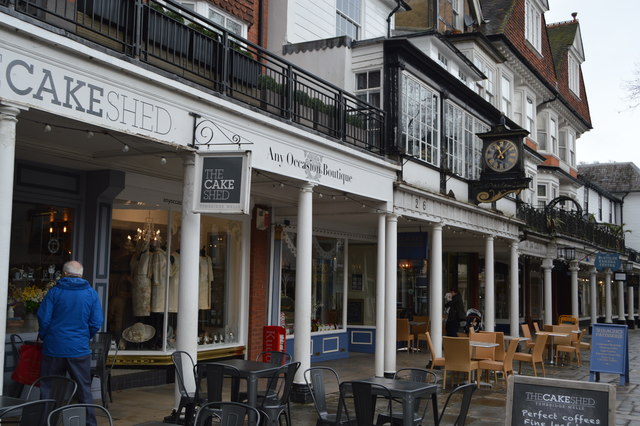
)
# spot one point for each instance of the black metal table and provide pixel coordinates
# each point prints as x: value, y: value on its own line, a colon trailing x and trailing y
x: 409, y: 392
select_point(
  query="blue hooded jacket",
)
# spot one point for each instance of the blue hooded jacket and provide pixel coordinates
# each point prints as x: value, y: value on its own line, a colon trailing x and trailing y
x: 69, y: 316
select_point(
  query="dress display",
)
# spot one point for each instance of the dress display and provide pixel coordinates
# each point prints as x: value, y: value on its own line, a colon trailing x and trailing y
x: 206, y: 278
x: 158, y: 280
x: 141, y: 288
x: 174, y: 281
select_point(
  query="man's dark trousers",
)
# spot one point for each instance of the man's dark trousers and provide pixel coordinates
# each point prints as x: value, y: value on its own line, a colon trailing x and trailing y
x: 80, y: 371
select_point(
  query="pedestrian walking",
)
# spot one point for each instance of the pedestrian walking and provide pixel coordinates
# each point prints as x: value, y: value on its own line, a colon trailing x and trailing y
x: 69, y: 316
x: 456, y: 312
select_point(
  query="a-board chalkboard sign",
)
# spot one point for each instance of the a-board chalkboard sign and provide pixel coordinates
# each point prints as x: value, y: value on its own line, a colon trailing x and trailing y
x: 540, y: 401
x: 609, y: 351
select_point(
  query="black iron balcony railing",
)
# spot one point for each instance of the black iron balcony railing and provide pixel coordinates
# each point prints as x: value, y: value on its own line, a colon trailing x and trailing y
x: 558, y: 222
x: 189, y: 46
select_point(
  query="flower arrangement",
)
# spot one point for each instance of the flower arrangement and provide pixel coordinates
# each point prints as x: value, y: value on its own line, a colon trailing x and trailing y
x: 30, y: 296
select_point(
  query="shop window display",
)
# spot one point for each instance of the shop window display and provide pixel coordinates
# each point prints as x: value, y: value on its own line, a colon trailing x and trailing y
x: 145, y: 280
x: 41, y: 242
x: 326, y: 287
x: 361, y: 306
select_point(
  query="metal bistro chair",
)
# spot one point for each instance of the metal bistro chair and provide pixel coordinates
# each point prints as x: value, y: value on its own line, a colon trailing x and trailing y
x: 32, y: 413
x: 466, y: 392
x: 419, y: 375
x: 228, y: 414
x: 76, y: 415
x: 214, y: 374
x: 61, y: 390
x: 364, y: 400
x: 275, y: 401
x: 100, y: 345
x: 274, y: 357
x: 317, y: 379
x: 188, y: 400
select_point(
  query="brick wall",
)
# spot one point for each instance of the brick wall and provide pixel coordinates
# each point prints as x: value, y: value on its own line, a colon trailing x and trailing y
x: 258, y: 286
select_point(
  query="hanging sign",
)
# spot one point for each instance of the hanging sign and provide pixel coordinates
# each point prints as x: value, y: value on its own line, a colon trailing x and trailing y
x: 607, y: 260
x: 222, y: 183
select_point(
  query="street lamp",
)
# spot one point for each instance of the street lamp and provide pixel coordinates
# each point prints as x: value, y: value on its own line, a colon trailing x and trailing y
x: 567, y: 253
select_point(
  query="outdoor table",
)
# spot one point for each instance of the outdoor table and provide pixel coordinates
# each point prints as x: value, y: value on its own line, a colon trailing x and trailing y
x: 409, y: 392
x: 9, y: 402
x: 553, y: 335
x: 252, y: 371
x: 475, y: 344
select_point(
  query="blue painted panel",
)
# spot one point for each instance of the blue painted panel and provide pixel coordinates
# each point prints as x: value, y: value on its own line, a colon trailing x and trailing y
x: 324, y: 347
x: 362, y: 340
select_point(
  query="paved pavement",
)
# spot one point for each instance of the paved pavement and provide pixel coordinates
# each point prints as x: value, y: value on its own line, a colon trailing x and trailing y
x: 141, y: 405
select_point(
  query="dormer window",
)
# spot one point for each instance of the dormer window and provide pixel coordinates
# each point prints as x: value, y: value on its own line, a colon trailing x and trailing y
x: 348, y: 18
x: 574, y: 75
x: 532, y: 24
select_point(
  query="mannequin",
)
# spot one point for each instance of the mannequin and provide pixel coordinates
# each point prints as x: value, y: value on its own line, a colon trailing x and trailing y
x: 206, y: 278
x: 141, y: 288
x: 158, y: 279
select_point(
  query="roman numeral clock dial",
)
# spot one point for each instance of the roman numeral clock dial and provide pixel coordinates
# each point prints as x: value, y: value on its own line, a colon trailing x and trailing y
x: 501, y: 155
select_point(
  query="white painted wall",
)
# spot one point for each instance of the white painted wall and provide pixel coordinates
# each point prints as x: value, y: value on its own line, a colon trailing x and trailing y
x: 631, y: 219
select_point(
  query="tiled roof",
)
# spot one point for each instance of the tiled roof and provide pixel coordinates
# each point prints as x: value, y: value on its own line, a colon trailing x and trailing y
x: 614, y: 177
x: 498, y: 13
x: 561, y: 37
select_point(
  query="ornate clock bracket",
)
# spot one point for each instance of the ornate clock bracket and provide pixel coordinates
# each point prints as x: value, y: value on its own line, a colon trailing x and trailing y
x: 484, y: 191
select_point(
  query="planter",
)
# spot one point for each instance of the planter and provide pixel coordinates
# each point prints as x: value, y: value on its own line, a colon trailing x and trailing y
x: 243, y: 69
x: 118, y: 12
x: 166, y: 34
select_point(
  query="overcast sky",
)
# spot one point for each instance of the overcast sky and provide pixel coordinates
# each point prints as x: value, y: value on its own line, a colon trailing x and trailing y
x: 612, y: 56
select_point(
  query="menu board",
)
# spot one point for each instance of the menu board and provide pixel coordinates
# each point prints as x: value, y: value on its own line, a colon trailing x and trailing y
x: 543, y: 401
x: 609, y: 351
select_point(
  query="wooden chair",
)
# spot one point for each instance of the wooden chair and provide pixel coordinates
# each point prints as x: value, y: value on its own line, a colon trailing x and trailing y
x: 526, y: 332
x: 457, y: 357
x: 436, y: 361
x: 534, y: 357
x: 483, y: 353
x: 403, y: 334
x: 419, y: 330
x: 506, y: 365
x: 583, y: 345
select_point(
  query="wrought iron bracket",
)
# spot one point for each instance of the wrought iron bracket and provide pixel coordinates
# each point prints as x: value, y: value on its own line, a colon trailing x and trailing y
x: 207, y: 133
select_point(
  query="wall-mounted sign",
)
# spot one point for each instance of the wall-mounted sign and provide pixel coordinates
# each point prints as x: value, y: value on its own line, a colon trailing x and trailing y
x: 222, y: 183
x: 607, y: 261
x: 557, y: 402
x: 619, y: 276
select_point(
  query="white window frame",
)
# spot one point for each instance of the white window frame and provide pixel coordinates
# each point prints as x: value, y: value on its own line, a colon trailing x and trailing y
x: 229, y: 20
x: 506, y: 103
x: 464, y: 148
x: 530, y: 115
x: 533, y: 24
x: 574, y: 75
x: 419, y: 120
x: 553, y: 135
x: 351, y: 18
x: 486, y: 87
x: 365, y: 94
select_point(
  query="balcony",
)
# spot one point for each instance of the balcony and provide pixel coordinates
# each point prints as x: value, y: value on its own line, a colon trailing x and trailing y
x: 562, y: 223
x: 168, y: 38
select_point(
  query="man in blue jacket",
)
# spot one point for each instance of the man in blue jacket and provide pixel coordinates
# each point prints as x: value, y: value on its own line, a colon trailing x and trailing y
x: 69, y: 316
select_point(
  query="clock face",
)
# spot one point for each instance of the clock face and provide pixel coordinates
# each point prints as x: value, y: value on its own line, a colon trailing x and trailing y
x: 501, y: 155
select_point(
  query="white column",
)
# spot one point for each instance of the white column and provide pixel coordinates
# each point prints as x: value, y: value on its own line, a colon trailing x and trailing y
x: 302, y: 317
x: 489, y: 285
x: 8, y: 120
x: 435, y: 280
x: 187, y: 328
x: 621, y: 313
x: 391, y: 294
x: 574, y: 268
x: 380, y: 296
x: 547, y: 266
x: 514, y: 305
x: 594, y: 294
x: 630, y: 307
x: 607, y: 297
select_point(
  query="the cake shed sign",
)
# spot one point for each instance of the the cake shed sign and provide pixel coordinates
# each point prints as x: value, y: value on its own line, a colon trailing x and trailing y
x: 222, y: 183
x: 539, y: 401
